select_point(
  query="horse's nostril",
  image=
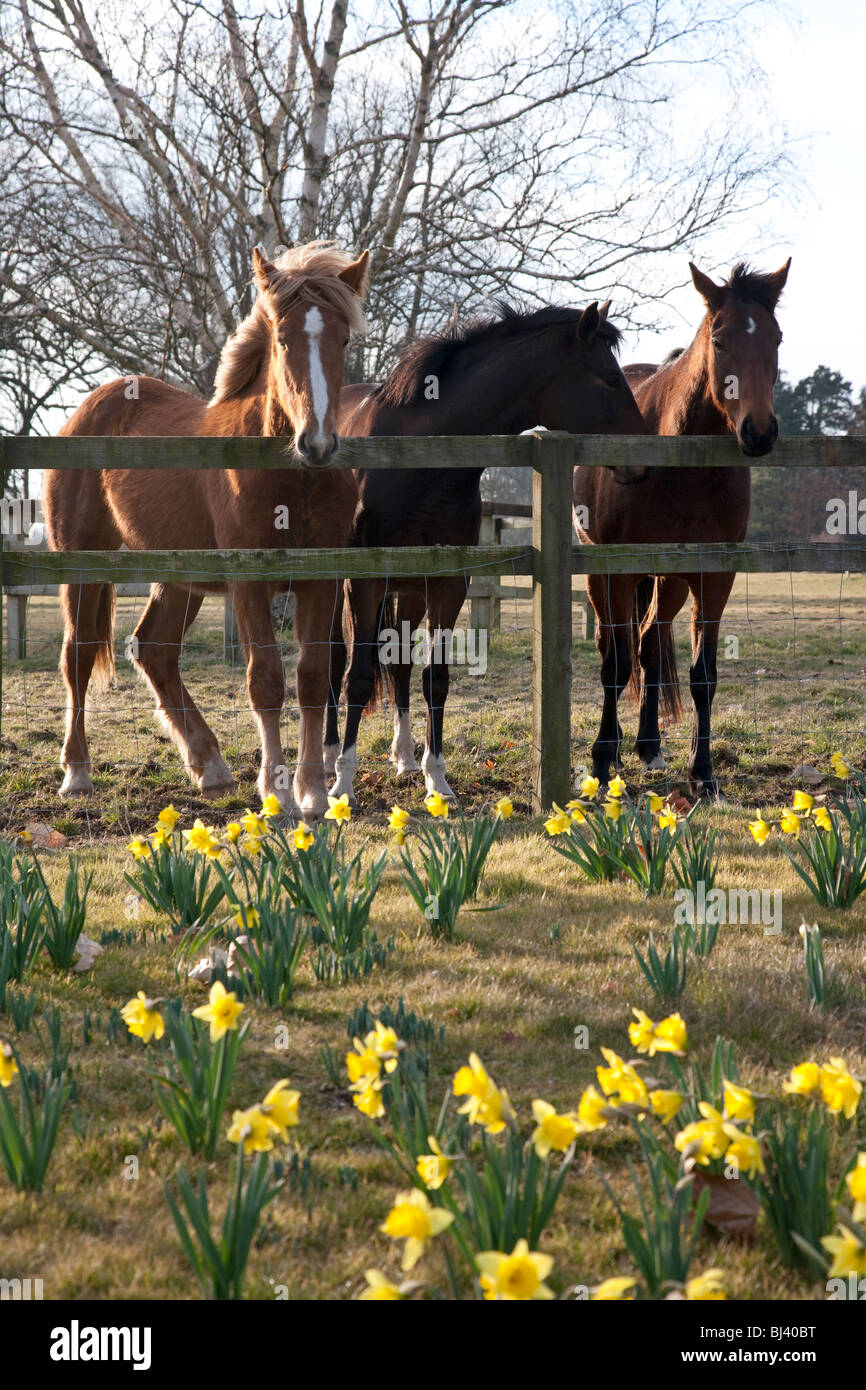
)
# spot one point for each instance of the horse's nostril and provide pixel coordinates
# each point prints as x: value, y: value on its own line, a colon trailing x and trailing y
x: 302, y: 446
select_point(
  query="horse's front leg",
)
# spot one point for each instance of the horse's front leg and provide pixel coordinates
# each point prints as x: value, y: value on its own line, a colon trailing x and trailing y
x: 710, y: 594
x: 410, y: 615
x: 363, y: 602
x: 612, y: 598
x: 317, y: 617
x: 266, y: 688
x: 659, y: 667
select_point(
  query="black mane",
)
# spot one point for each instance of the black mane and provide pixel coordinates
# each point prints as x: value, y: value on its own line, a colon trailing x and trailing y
x: 750, y: 284
x: 433, y: 355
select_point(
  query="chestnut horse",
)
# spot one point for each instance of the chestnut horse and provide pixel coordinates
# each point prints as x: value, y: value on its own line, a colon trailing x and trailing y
x: 723, y: 383
x: 555, y: 367
x: 279, y: 374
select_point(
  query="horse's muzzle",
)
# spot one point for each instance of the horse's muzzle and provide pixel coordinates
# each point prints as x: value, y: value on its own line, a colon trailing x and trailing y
x: 753, y: 444
x: 317, y: 452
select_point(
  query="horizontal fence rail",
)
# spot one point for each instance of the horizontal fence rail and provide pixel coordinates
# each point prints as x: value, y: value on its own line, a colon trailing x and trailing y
x: 551, y: 560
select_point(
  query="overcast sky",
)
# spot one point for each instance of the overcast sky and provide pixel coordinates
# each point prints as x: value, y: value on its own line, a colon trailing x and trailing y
x: 817, y: 74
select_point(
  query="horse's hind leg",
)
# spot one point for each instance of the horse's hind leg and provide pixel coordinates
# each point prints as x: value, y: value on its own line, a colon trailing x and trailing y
x: 364, y: 599
x: 612, y: 598
x: 318, y: 611
x: 658, y: 666
x: 445, y: 599
x: 88, y: 645
x: 410, y: 615
x: 155, y: 650
x: 266, y: 686
x: 337, y: 670
x: 710, y: 594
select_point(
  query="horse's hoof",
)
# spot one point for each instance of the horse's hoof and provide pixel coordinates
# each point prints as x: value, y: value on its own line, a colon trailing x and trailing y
x: 214, y: 790
x: 405, y: 769
x: 707, y: 791
x: 216, y: 778
x: 656, y: 764
x: 76, y: 783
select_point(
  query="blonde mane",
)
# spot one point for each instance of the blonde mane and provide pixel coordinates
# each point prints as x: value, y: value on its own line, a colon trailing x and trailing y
x: 307, y: 273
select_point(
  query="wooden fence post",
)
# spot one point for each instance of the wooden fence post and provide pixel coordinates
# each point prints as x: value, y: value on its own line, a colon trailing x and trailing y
x: 551, y: 619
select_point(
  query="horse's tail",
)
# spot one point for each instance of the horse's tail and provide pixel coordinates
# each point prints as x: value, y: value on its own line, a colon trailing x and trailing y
x: 387, y: 619
x: 644, y: 614
x: 100, y: 601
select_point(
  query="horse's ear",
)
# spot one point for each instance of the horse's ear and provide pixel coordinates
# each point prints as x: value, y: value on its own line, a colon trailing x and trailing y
x: 587, y: 324
x: 778, y: 279
x: 263, y: 270
x: 357, y: 274
x: 712, y: 294
x: 603, y: 311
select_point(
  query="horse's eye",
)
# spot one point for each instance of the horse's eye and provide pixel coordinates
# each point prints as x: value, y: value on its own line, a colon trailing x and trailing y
x: 718, y: 345
x: 613, y: 379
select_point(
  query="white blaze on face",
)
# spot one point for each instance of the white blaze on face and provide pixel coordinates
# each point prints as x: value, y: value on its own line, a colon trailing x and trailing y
x: 313, y: 326
x: 750, y: 324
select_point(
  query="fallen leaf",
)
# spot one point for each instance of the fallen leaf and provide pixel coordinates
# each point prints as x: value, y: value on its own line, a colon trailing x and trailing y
x: 43, y: 835
x: 733, y: 1205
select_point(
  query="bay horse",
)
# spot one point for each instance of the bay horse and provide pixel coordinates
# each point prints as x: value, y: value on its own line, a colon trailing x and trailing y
x: 501, y: 375
x: 279, y: 374
x: 721, y: 384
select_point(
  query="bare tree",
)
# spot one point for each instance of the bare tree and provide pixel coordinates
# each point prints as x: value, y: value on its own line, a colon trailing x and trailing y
x: 480, y: 147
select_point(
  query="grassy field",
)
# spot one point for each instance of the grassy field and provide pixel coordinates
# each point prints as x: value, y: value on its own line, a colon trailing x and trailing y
x: 513, y: 986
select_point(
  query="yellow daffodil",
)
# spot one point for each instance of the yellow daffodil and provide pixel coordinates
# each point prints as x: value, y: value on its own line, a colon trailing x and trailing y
x: 759, y: 828
x: 855, y: 1181
x: 616, y: 787
x: 804, y: 1080
x: 253, y: 844
x: 368, y: 1099
x: 666, y: 1104
x: 271, y: 806
x: 558, y: 822
x: 8, y: 1065
x: 668, y: 820
x: 789, y: 823
x: 233, y: 832
x: 670, y: 1035
x: 253, y: 1129
x: 362, y: 1065
x: 589, y: 1111
x: 739, y: 1104
x: 821, y: 817
x: 413, y: 1219
x: 303, y: 837
x: 486, y: 1105
x: 803, y: 801
x: 642, y: 1032
x: 398, y: 819
x: 620, y: 1079
x: 142, y: 1018
x: 618, y: 1289
x: 839, y: 1089
x: 744, y: 1150
x: 138, y: 848
x: 612, y: 809
x: 576, y: 811
x: 433, y: 1168
x: 504, y: 807
x: 706, y: 1287
x: 656, y: 803
x: 200, y: 839
x: 221, y: 1011
x: 849, y: 1254
x: 707, y: 1135
x: 161, y: 837
x: 554, y: 1132
x: 589, y: 787
x: 379, y: 1288
x: 437, y: 805
x: 339, y: 808
x: 281, y: 1107
x: 384, y: 1044
x: 168, y: 818
x: 247, y: 917
x: 840, y: 767
x: 514, y: 1278
x: 255, y: 826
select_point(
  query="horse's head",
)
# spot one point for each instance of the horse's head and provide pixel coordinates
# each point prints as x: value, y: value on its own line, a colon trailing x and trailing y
x: 312, y: 307
x: 742, y: 351
x: 584, y: 389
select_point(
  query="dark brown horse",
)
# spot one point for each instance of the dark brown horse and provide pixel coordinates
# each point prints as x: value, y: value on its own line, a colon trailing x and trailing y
x: 721, y: 384
x: 279, y: 374
x: 555, y: 367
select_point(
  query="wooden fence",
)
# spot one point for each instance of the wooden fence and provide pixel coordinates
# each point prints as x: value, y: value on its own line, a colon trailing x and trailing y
x: 550, y: 561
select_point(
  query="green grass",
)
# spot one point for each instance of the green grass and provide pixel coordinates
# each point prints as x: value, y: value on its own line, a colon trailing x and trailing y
x: 513, y: 985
